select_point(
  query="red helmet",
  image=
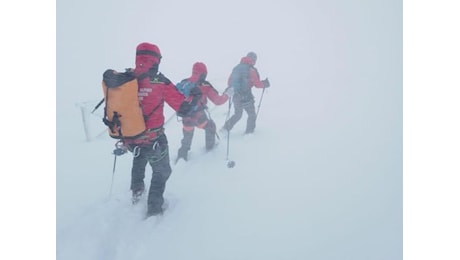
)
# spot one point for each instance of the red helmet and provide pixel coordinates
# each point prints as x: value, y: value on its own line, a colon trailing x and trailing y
x: 199, y: 72
x: 147, y: 55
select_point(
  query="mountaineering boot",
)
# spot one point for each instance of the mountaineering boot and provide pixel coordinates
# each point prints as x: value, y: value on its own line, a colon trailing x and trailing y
x: 223, y: 132
x: 182, y: 153
x: 154, y: 212
x: 156, y: 206
x: 210, y: 135
x: 186, y: 144
x: 137, y: 194
x: 249, y: 131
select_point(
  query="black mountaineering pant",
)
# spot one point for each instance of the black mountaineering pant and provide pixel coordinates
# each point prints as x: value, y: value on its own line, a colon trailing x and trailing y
x: 200, y: 120
x: 210, y: 134
x: 250, y: 110
x: 157, y: 155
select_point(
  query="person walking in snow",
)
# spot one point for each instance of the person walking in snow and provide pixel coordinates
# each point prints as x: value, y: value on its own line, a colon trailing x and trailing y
x: 243, y: 77
x: 152, y: 146
x: 199, y: 118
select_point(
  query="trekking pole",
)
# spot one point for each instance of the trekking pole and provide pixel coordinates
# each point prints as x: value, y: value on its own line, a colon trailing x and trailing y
x: 260, y: 102
x: 226, y: 119
x: 113, y: 174
x: 120, y: 149
x: 230, y: 164
x: 228, y: 143
x: 229, y: 107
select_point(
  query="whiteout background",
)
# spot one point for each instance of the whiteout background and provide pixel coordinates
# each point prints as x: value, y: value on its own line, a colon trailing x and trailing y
x: 322, y: 177
x: 30, y: 219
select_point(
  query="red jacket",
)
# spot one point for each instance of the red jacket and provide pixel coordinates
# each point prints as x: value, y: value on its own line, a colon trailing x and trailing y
x: 152, y: 96
x: 154, y: 89
x: 199, y: 73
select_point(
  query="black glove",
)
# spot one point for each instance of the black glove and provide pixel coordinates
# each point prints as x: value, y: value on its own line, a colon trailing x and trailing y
x: 266, y: 83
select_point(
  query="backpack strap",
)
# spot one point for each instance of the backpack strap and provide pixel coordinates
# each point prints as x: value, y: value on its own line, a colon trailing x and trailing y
x: 160, y: 78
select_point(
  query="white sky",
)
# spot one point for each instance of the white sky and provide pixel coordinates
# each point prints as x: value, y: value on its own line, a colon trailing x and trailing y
x: 419, y: 162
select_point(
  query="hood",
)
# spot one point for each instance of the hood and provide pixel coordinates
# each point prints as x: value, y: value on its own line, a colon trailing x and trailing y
x: 147, y: 56
x: 199, y: 72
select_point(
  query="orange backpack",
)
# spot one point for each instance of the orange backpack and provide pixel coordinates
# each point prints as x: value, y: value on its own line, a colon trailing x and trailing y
x: 122, y: 113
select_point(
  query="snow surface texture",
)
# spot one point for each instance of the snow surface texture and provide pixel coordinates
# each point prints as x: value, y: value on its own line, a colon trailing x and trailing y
x: 321, y: 177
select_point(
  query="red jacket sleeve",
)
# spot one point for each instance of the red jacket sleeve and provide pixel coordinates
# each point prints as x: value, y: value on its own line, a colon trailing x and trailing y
x: 211, y: 93
x: 255, y: 79
x: 173, y: 97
